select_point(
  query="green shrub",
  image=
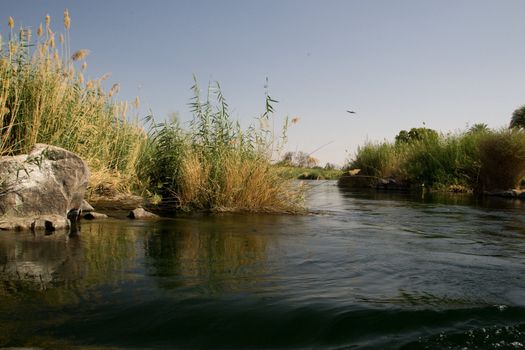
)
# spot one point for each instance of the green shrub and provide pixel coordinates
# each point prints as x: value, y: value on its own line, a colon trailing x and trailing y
x: 377, y: 159
x: 479, y: 158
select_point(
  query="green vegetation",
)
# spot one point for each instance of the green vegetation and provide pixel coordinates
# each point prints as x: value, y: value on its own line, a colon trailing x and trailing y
x: 478, y: 159
x: 301, y: 165
x: 215, y: 165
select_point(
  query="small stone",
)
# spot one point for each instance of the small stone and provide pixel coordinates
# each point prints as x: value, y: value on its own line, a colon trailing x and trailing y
x: 140, y: 213
x: 7, y: 226
x: 92, y: 215
x: 38, y: 224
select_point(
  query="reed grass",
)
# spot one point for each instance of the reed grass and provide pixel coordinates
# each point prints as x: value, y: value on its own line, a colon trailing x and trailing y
x: 45, y: 98
x: 216, y: 165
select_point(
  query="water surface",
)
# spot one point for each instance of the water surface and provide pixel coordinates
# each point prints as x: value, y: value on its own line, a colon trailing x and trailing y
x: 366, y: 270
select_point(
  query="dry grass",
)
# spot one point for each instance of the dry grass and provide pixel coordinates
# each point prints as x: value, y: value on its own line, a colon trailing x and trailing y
x: 502, y: 156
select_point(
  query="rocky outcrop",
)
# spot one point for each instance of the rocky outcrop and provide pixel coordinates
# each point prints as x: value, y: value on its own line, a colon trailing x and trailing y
x: 46, y: 183
x: 38, y: 223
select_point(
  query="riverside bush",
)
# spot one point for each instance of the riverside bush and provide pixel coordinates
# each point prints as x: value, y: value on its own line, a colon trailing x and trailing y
x: 479, y: 159
x: 502, y: 157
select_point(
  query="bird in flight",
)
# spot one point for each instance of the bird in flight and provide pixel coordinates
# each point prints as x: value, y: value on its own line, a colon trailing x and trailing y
x: 351, y: 112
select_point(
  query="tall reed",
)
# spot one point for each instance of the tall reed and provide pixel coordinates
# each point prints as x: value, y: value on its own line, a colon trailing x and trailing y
x: 216, y: 165
x: 45, y: 97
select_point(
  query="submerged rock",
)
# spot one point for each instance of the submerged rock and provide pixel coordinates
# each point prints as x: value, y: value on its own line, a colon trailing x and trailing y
x: 39, y: 223
x: 140, y: 213
x: 41, y: 186
x: 93, y: 215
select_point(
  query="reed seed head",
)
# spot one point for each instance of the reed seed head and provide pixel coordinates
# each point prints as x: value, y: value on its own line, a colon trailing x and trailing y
x: 48, y: 21
x: 51, y: 41
x: 137, y: 102
x: 114, y: 89
x: 13, y: 48
x: 67, y: 19
x: 80, y: 78
x: 105, y: 76
x: 295, y: 120
x: 84, y: 66
x: 11, y: 22
x: 56, y: 57
x: 80, y: 54
x: 40, y: 30
x: 61, y: 38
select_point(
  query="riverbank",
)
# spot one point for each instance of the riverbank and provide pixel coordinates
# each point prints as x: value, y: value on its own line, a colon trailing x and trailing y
x: 477, y: 160
x: 302, y: 173
x: 212, y: 165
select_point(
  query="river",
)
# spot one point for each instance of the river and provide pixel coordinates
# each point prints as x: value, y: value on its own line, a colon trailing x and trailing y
x: 365, y: 270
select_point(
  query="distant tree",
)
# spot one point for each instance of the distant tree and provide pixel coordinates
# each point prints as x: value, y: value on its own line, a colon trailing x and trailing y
x: 518, y: 118
x: 288, y: 158
x: 330, y: 166
x: 311, y: 162
x: 415, y: 134
x: 299, y: 159
x: 402, y: 137
x: 478, y: 128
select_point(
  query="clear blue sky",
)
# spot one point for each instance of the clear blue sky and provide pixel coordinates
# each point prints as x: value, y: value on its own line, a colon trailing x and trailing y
x: 399, y: 64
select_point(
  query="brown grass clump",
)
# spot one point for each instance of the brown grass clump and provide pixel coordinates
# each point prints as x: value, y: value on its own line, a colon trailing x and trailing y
x: 502, y: 156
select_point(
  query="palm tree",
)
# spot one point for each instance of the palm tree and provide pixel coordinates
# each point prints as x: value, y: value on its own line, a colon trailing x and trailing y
x: 518, y: 118
x: 478, y: 128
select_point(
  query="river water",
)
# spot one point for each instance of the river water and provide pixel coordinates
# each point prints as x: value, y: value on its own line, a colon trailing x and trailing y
x: 366, y: 270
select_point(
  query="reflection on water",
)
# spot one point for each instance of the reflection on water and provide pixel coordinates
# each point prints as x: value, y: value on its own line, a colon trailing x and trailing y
x: 188, y: 254
x: 366, y: 269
